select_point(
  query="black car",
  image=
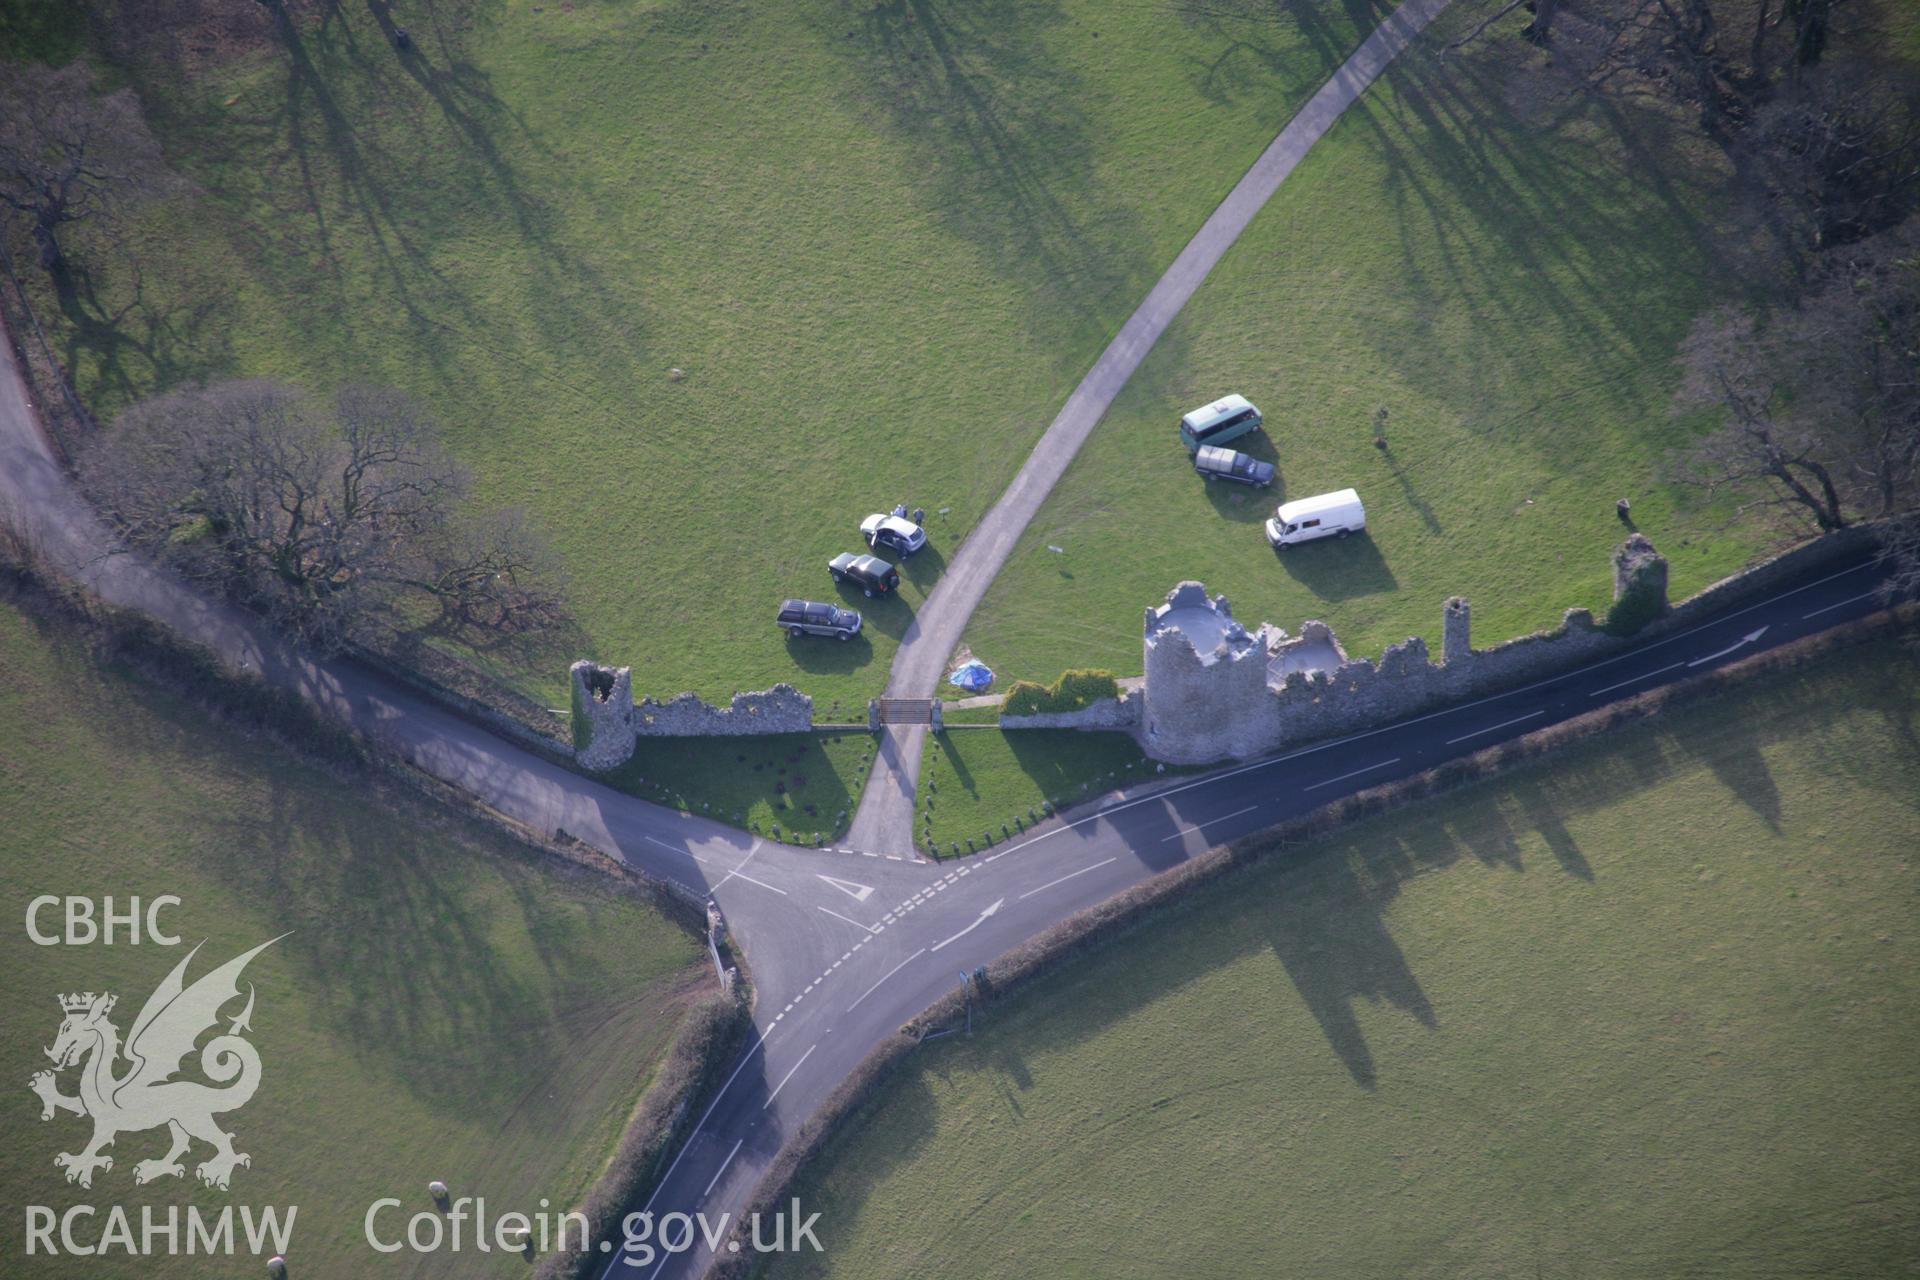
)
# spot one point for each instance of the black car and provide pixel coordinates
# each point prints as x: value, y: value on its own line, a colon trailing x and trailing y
x: 1217, y: 463
x: 815, y: 618
x: 870, y: 573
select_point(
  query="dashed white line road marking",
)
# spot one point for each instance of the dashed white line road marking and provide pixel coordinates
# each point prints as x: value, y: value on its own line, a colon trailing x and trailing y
x: 722, y: 1169
x: 1210, y: 822
x: 1637, y: 679
x: 1840, y: 604
x: 1070, y: 875
x: 883, y: 977
x: 837, y: 916
x: 783, y: 1079
x: 1504, y: 724
x: 1356, y: 773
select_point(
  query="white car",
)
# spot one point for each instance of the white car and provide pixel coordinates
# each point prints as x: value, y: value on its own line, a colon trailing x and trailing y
x: 896, y: 532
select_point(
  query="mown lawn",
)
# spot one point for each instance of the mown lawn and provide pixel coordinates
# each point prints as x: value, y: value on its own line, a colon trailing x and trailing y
x: 881, y: 242
x: 444, y: 1006
x: 804, y: 784
x: 1509, y: 277
x: 1645, y: 1008
x: 983, y: 786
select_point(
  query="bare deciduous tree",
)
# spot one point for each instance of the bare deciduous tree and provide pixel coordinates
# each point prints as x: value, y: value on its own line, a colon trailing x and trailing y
x: 1821, y: 403
x: 340, y: 523
x: 69, y: 154
x: 1837, y: 151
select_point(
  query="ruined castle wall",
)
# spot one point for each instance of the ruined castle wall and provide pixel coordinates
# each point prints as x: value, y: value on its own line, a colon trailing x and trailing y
x: 781, y: 709
x: 1198, y: 714
x: 607, y: 722
x: 1121, y: 713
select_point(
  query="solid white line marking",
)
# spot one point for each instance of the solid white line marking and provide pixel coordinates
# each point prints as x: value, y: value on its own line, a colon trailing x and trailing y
x: 837, y: 916
x: 1504, y: 724
x: 753, y: 849
x: 883, y: 977
x: 1185, y: 831
x: 996, y: 905
x: 750, y: 880
x: 1840, y: 604
x: 1356, y: 773
x: 783, y: 1079
x: 722, y: 1169
x: 1063, y: 879
x: 759, y: 1043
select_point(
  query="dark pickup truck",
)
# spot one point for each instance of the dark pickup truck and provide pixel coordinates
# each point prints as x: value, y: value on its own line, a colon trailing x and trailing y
x: 870, y: 573
x: 1216, y: 463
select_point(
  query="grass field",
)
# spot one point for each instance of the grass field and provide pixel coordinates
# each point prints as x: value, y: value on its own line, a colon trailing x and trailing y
x: 803, y: 783
x: 1644, y: 1008
x: 881, y: 241
x: 980, y: 785
x: 443, y: 1007
x: 1509, y: 280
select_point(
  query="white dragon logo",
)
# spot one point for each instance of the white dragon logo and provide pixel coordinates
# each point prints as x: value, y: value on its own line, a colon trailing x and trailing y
x: 146, y: 1095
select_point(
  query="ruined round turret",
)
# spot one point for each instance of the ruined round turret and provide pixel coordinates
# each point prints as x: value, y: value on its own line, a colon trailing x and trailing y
x: 1206, y: 686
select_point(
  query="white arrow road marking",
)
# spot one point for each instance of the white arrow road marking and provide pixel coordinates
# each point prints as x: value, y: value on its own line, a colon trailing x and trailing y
x: 997, y: 904
x: 1746, y: 639
x: 883, y: 977
x: 852, y: 888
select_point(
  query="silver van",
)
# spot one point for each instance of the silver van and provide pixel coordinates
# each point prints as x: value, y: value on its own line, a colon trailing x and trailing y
x: 1227, y: 418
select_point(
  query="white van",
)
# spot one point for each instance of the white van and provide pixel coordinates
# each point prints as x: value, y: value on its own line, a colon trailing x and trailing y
x: 1323, y: 516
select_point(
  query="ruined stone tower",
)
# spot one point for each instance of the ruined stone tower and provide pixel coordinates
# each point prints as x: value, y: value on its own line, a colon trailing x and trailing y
x: 1638, y: 567
x: 1206, y: 688
x: 603, y: 735
x: 1456, y: 631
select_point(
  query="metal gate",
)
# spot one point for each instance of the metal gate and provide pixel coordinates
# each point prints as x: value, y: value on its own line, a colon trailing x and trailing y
x: 906, y: 711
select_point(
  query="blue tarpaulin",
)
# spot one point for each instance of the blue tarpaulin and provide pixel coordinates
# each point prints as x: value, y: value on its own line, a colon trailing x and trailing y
x: 971, y: 676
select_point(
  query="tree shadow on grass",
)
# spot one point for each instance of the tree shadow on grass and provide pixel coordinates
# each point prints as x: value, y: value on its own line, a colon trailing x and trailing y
x: 1511, y: 213
x: 1004, y: 142
x: 1337, y: 949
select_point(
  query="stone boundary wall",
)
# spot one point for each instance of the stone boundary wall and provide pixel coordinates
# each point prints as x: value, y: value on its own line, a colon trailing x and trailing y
x: 781, y: 709
x: 1121, y: 713
x: 1406, y: 682
x: 607, y: 722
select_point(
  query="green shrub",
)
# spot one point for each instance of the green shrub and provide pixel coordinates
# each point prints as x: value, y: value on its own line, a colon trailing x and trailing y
x: 1638, y: 605
x: 1073, y: 691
